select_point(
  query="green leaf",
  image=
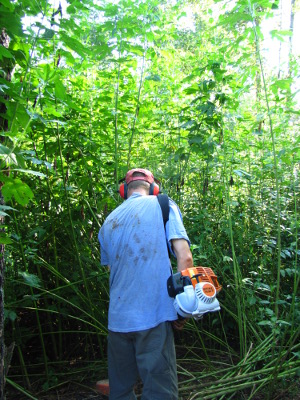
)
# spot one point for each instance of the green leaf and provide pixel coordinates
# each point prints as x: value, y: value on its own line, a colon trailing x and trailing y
x: 60, y: 91
x: 30, y: 279
x: 282, y: 322
x: 2, y: 207
x: 10, y: 314
x: 251, y: 300
x: 265, y: 323
x: 4, y: 239
x: 22, y: 115
x: 153, y: 77
x: 49, y: 33
x: 284, y: 84
x: 17, y: 189
x: 196, y: 139
x: 10, y: 21
x: 30, y: 172
x: 10, y: 157
x: 7, y: 4
x: 4, y: 53
x: 192, y: 89
x: 280, y: 35
x: 242, y: 173
x: 269, y: 312
x: 188, y: 124
x: 189, y: 78
x: 72, y: 105
x: 75, y: 45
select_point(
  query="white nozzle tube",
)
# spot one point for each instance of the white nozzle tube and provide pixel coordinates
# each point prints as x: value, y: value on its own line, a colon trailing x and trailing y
x: 185, y: 303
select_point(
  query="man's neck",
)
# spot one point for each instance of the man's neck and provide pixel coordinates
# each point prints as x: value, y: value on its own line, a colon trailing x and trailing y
x: 141, y: 191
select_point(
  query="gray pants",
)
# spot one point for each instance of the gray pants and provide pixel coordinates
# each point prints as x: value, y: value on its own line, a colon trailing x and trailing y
x: 148, y: 354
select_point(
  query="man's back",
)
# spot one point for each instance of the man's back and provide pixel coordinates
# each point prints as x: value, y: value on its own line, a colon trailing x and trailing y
x: 133, y: 243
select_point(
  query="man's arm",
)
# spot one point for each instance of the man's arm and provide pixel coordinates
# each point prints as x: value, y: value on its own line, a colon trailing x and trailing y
x: 183, y: 254
x: 184, y: 257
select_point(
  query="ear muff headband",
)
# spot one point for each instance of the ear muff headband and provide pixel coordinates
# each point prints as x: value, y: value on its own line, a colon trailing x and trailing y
x: 123, y: 189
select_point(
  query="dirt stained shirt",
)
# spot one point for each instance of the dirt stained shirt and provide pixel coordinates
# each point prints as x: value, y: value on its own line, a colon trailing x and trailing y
x: 133, y: 243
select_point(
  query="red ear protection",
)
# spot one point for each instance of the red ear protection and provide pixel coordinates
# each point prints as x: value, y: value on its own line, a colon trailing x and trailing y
x: 154, y: 188
x: 123, y: 190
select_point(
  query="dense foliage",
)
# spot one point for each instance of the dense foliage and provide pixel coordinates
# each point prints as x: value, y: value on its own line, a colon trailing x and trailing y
x: 185, y: 89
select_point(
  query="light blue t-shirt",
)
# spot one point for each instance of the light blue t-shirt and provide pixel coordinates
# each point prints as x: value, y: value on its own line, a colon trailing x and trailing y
x: 133, y: 243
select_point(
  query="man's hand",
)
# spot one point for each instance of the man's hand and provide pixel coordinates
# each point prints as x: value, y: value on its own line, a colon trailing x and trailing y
x: 179, y: 324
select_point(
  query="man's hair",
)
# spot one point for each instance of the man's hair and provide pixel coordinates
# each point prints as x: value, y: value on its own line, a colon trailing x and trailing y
x: 139, y: 183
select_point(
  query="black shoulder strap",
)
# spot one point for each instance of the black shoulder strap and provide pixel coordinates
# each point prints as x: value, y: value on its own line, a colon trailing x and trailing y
x: 163, y: 200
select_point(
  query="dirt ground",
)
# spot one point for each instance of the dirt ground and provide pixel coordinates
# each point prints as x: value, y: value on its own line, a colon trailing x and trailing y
x: 86, y: 393
x: 67, y: 393
x: 71, y: 391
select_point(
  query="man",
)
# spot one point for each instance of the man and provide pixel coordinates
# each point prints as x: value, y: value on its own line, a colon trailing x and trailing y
x: 133, y: 245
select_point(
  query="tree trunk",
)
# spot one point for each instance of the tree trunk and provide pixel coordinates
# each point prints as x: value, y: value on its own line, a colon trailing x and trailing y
x: 2, y: 346
x: 280, y: 43
x: 292, y: 18
x: 6, y: 69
